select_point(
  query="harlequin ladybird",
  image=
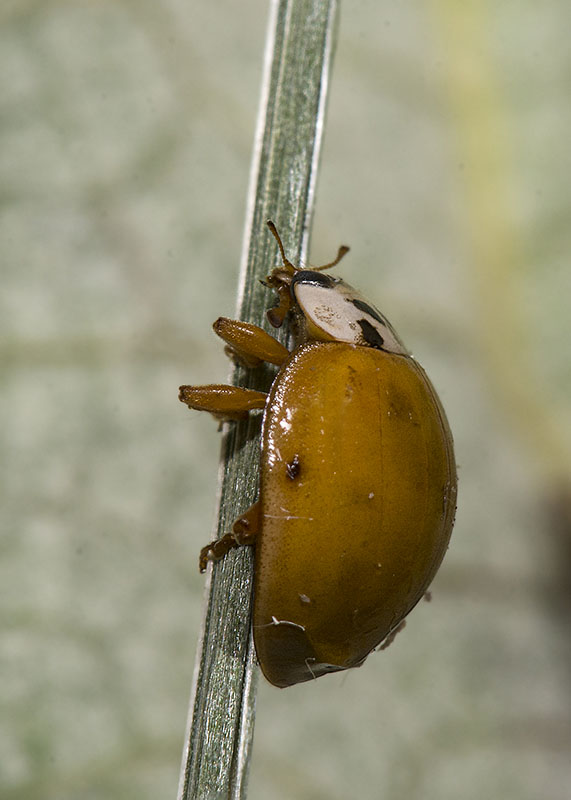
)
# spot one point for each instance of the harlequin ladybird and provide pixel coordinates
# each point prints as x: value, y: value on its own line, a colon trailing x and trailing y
x: 357, y: 477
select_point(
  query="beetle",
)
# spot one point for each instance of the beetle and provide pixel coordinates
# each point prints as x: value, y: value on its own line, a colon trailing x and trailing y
x: 358, y: 480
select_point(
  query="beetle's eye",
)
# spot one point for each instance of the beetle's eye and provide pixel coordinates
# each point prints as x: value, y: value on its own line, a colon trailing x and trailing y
x: 313, y: 278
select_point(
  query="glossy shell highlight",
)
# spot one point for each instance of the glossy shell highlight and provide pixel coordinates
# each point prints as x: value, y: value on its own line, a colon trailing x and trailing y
x: 357, y: 489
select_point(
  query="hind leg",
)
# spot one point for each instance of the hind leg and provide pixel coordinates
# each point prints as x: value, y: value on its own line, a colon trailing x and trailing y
x: 244, y: 532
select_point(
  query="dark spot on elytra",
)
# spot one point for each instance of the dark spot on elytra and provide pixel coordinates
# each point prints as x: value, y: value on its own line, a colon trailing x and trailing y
x: 371, y: 334
x: 293, y: 468
x: 367, y: 309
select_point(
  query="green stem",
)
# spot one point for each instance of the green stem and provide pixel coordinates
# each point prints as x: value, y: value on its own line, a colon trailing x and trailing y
x: 284, y: 171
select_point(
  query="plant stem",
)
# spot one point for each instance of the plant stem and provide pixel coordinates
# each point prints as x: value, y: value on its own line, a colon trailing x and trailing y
x: 299, y: 53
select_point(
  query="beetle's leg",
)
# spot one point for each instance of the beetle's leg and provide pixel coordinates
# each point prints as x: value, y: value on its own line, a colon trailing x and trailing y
x: 278, y: 313
x: 222, y: 401
x: 244, y: 532
x: 249, y: 345
x: 388, y: 640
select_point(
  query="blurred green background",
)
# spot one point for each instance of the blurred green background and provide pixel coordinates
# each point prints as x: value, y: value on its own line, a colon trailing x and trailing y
x: 126, y: 132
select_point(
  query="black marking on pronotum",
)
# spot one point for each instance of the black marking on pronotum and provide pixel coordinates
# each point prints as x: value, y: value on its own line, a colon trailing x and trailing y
x: 367, y: 309
x: 315, y: 278
x: 293, y: 468
x: 371, y: 334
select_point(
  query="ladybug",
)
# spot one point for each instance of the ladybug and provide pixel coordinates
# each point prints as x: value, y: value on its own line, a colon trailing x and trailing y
x: 357, y: 477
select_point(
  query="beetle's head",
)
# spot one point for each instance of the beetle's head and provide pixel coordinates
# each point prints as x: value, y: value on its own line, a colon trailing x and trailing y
x: 283, y: 278
x: 325, y: 307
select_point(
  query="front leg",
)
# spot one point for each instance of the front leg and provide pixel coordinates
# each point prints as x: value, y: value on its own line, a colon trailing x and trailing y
x: 248, y: 344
